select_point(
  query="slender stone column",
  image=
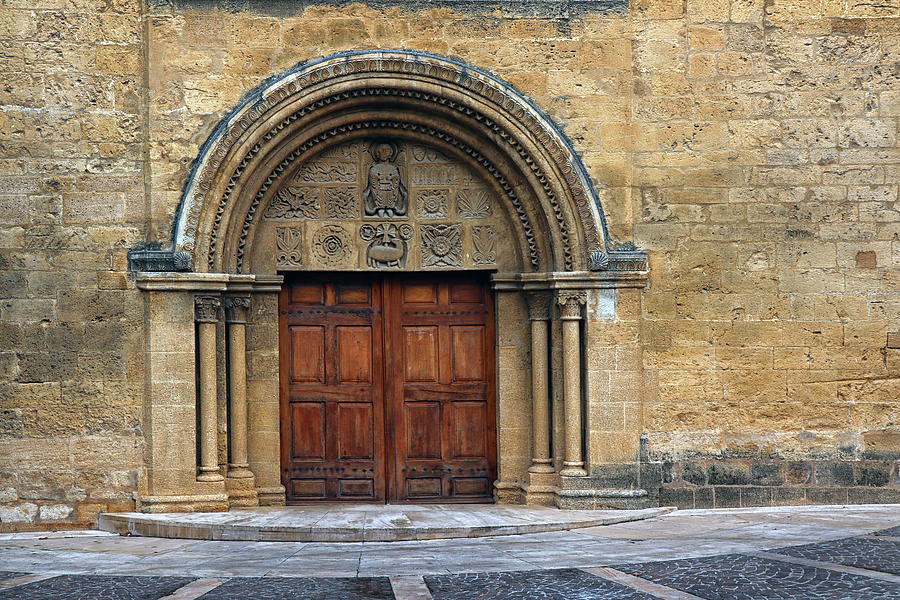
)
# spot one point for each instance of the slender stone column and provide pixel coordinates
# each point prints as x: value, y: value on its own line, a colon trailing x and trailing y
x: 207, y: 315
x: 539, y: 313
x: 236, y: 320
x: 570, y: 303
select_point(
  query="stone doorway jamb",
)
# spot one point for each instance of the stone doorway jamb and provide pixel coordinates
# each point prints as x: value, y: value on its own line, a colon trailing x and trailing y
x: 187, y: 469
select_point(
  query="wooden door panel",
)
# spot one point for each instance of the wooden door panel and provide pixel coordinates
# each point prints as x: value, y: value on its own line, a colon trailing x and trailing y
x: 440, y: 349
x: 332, y: 353
x: 420, y: 353
x: 307, y: 293
x: 423, y: 430
x: 308, y: 431
x: 353, y: 293
x: 466, y: 293
x: 354, y: 354
x: 469, y: 422
x: 356, y: 430
x: 467, y: 352
x: 416, y: 292
x: 307, y: 354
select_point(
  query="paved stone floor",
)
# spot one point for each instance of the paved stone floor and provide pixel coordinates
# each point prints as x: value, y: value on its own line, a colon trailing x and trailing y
x: 807, y: 553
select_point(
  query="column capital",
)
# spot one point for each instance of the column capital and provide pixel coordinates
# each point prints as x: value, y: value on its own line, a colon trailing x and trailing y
x: 570, y: 303
x: 207, y: 309
x: 236, y: 309
x: 539, y: 305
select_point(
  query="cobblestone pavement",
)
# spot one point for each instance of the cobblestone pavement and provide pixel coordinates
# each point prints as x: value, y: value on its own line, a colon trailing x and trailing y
x: 302, y: 588
x: 568, y: 584
x: 742, y: 577
x: 809, y: 553
x: 864, y: 553
x: 82, y: 587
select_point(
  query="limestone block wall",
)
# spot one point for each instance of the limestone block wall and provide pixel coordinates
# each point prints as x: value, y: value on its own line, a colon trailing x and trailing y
x: 764, y: 183
x: 749, y: 145
x: 72, y: 203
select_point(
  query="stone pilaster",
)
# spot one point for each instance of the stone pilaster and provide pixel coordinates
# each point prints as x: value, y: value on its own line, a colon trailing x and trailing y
x: 207, y: 315
x: 570, y: 308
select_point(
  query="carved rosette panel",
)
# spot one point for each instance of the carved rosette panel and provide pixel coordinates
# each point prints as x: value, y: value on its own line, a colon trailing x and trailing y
x: 383, y: 203
x: 288, y: 243
x: 432, y: 203
x: 441, y: 246
x: 332, y: 245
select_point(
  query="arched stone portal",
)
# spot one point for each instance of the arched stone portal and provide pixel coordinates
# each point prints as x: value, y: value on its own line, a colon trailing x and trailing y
x: 375, y: 162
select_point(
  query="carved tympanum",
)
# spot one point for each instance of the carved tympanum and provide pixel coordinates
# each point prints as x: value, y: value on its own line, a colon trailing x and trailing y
x: 383, y: 203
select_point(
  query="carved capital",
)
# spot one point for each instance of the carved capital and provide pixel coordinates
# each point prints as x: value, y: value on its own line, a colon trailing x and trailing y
x: 206, y: 309
x: 570, y: 303
x: 539, y: 305
x: 236, y: 309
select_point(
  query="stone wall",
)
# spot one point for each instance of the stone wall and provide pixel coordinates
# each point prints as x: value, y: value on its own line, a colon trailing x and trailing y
x: 750, y: 146
x: 72, y: 202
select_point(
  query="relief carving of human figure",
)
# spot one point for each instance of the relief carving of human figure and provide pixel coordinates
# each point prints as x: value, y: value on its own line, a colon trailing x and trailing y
x: 385, y: 195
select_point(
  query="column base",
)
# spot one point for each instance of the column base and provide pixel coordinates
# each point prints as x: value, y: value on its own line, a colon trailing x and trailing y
x: 210, y: 474
x: 271, y: 496
x: 508, y: 492
x: 239, y: 471
x: 541, y: 465
x: 241, y: 491
x: 573, y: 469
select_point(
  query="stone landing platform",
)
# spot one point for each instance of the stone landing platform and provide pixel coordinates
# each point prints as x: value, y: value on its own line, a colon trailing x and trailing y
x: 366, y: 522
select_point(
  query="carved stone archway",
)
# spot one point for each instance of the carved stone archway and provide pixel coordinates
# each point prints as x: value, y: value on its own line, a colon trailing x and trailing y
x: 250, y: 210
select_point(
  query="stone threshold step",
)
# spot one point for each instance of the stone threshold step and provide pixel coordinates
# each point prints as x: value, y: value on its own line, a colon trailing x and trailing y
x: 366, y: 523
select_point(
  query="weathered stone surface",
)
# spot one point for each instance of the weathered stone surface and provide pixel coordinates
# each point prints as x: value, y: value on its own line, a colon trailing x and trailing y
x: 750, y: 147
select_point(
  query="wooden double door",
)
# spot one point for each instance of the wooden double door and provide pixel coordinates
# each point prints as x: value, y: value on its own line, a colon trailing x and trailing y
x: 387, y: 388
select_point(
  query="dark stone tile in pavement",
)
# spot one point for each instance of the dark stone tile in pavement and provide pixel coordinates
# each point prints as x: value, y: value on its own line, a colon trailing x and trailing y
x: 302, y: 588
x: 893, y: 531
x: 10, y: 575
x: 96, y: 587
x: 563, y: 584
x: 741, y: 577
x: 865, y: 553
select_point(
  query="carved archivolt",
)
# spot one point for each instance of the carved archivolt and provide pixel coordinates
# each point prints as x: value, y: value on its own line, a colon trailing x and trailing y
x: 527, y: 133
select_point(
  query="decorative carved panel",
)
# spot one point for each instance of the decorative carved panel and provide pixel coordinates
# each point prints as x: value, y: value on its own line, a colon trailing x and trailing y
x: 384, y: 203
x: 288, y: 241
x: 332, y: 245
x: 441, y: 246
